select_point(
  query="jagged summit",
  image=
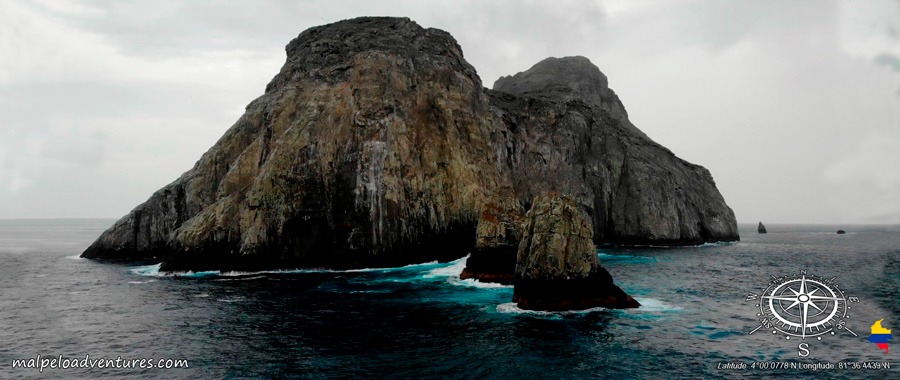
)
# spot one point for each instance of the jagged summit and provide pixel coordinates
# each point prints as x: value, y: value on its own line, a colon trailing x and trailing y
x: 569, y: 75
x: 326, y: 52
x: 564, y: 78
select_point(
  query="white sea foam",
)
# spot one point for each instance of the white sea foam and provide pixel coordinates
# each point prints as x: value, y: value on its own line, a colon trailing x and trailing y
x: 452, y: 270
x: 141, y: 282
x: 512, y: 308
x: 410, y: 266
x: 477, y: 284
x: 295, y: 271
x: 192, y: 274
x: 653, y: 305
x: 153, y: 270
x: 716, y: 244
x: 372, y: 291
x: 147, y: 270
x: 647, y: 305
x: 75, y: 257
x: 276, y: 271
x: 241, y: 278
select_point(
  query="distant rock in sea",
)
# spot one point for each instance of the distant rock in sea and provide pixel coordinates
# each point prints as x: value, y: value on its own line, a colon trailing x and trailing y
x: 557, y: 266
x: 376, y: 145
x: 841, y: 232
x: 761, y: 228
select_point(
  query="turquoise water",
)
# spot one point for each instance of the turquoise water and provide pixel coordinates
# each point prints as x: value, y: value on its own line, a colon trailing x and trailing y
x: 422, y: 321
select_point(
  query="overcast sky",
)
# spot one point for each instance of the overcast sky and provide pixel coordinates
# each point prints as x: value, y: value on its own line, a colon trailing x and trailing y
x: 793, y: 106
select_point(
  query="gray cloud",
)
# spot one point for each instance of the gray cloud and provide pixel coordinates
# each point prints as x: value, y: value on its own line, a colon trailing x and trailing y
x: 176, y: 27
x: 888, y: 60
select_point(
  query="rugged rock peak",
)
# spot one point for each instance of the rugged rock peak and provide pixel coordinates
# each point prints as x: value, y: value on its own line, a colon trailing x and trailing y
x: 557, y: 266
x: 566, y: 78
x: 376, y: 145
x: 327, y: 52
x: 566, y: 74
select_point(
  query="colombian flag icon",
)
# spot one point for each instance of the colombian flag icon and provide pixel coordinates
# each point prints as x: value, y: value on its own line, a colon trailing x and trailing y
x: 880, y: 336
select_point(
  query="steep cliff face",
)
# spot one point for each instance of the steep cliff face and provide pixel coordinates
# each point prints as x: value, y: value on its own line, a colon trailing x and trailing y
x: 565, y: 131
x: 368, y: 148
x: 376, y: 145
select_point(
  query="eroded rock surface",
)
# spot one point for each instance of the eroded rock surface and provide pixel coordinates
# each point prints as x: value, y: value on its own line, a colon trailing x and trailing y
x: 557, y: 266
x: 565, y: 131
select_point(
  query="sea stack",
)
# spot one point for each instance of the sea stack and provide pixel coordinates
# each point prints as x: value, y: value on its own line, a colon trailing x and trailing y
x: 761, y: 228
x: 557, y: 266
x: 377, y: 145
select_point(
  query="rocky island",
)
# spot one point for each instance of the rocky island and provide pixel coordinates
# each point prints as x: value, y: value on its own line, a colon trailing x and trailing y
x: 376, y: 145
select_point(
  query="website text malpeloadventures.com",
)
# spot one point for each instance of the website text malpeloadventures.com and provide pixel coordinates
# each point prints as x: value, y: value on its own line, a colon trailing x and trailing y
x: 59, y: 362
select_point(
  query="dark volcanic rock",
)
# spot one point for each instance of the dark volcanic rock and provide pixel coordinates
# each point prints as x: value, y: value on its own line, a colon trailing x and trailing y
x: 496, y: 244
x: 579, y: 141
x: 761, y: 228
x: 841, y: 232
x: 369, y: 148
x: 569, y: 78
x: 376, y: 145
x: 557, y: 266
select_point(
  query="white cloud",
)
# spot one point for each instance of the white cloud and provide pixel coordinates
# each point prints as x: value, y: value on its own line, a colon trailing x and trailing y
x: 45, y: 48
x: 869, y: 28
x: 867, y: 181
x: 18, y: 162
x: 70, y: 7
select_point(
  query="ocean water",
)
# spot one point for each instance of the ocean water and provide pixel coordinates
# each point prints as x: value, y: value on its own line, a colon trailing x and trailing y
x: 421, y: 321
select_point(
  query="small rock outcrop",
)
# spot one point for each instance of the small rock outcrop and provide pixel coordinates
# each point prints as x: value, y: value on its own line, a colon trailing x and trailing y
x: 557, y: 266
x: 496, y: 244
x: 841, y: 232
x: 761, y: 228
x: 377, y: 145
